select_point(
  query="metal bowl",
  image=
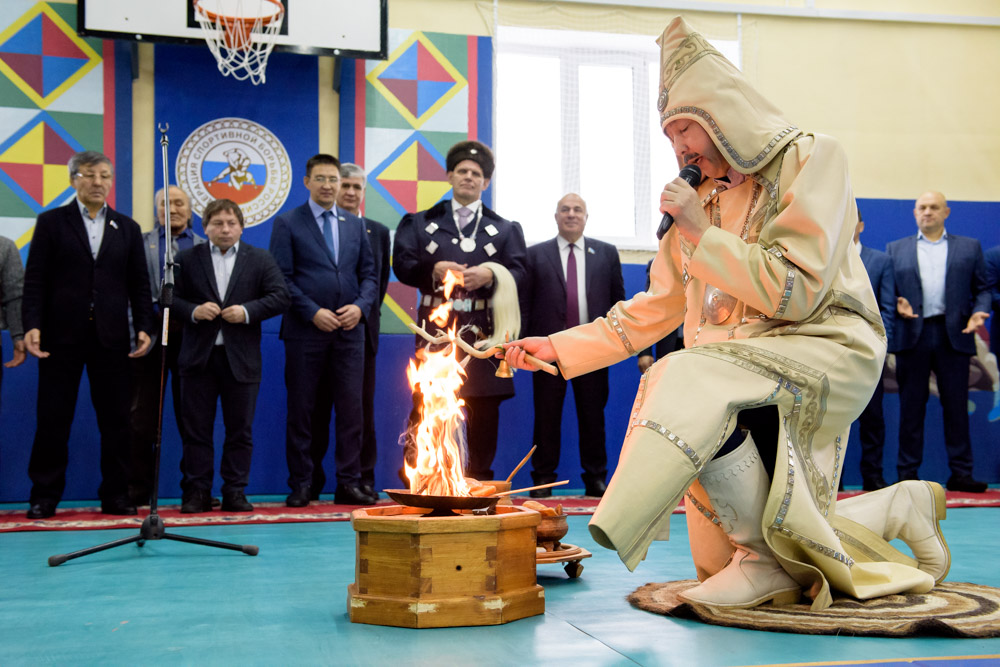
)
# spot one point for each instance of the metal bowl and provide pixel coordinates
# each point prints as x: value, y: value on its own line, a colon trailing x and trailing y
x: 442, y: 505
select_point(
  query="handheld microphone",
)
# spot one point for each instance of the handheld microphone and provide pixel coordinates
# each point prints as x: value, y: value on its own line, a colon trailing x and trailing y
x: 692, y: 176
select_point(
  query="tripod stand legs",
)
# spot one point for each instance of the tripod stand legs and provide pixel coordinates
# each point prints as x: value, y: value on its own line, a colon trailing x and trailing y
x: 152, y: 529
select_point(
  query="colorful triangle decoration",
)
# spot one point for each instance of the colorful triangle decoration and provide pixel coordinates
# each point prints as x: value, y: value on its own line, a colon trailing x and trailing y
x: 41, y: 55
x: 429, y: 68
x: 28, y: 66
x: 34, y: 162
x: 55, y: 42
x: 28, y: 176
x: 417, y: 79
x: 403, y: 67
x: 27, y: 40
x: 406, y: 91
x: 428, y: 167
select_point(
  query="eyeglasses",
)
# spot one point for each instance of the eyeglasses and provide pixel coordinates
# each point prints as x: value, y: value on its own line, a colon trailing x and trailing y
x: 93, y: 176
x: 324, y: 179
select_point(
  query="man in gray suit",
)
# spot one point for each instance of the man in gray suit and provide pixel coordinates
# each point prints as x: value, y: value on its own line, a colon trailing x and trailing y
x: 145, y: 405
x: 11, y: 286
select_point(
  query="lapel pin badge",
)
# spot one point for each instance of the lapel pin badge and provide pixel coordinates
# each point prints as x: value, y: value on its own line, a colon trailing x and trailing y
x: 113, y: 224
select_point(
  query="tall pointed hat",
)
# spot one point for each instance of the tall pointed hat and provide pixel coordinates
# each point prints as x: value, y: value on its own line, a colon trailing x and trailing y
x: 697, y: 82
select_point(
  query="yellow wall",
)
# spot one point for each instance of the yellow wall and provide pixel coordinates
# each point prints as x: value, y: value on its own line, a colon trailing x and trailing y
x: 913, y: 103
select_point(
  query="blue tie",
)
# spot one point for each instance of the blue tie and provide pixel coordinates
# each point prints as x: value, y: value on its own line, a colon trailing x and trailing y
x: 331, y: 240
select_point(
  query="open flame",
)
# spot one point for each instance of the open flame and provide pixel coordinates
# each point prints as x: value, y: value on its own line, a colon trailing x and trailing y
x: 440, y: 435
x: 440, y: 315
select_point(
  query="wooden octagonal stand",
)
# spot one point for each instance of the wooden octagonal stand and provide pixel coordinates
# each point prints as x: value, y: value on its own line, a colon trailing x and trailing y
x: 415, y: 571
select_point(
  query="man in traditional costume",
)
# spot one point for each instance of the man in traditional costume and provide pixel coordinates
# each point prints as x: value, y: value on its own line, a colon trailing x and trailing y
x: 762, y: 270
x: 465, y: 237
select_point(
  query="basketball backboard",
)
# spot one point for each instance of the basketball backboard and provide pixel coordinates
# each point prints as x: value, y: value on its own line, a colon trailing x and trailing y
x: 350, y: 28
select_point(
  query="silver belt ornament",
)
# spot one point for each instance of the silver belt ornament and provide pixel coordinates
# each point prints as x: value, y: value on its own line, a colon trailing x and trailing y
x: 717, y: 306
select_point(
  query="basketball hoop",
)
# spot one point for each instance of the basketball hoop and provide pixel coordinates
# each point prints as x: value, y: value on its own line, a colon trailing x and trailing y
x: 240, y: 34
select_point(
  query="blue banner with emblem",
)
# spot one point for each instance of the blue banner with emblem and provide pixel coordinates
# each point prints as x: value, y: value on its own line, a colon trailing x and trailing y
x: 234, y: 140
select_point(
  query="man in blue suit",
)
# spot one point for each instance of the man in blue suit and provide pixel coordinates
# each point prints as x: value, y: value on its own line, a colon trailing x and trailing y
x: 993, y: 278
x: 570, y: 279
x: 872, y: 421
x: 942, y: 298
x: 327, y: 261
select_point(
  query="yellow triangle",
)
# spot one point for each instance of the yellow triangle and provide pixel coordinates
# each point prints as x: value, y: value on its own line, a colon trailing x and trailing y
x: 55, y: 180
x: 403, y: 168
x: 429, y: 192
x: 29, y: 149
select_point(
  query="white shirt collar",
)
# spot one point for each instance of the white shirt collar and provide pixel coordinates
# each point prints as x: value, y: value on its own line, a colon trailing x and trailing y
x: 232, y: 252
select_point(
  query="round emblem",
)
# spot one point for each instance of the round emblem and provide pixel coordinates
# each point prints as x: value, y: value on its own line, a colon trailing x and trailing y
x: 237, y: 159
x: 467, y: 245
x: 661, y: 101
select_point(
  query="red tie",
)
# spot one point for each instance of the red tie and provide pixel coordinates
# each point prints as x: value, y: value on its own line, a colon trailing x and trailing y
x: 572, y: 298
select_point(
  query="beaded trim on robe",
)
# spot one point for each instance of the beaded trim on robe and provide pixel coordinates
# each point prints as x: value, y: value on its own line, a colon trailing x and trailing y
x: 616, y: 325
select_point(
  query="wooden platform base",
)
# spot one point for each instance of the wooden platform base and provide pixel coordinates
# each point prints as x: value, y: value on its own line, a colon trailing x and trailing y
x: 415, y: 571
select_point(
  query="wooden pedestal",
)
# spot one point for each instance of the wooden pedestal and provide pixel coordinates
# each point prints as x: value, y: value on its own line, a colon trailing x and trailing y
x: 421, y: 572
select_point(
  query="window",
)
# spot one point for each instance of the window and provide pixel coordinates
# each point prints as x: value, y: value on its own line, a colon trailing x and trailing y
x: 576, y: 112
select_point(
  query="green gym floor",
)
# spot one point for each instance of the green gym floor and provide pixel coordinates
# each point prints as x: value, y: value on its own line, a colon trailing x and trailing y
x: 172, y: 603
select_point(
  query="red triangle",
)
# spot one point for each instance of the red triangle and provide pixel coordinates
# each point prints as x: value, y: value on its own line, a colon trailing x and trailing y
x: 55, y: 42
x: 28, y: 66
x: 405, y: 91
x: 429, y: 68
x: 28, y: 176
x: 56, y: 150
x: 404, y: 192
x: 428, y: 168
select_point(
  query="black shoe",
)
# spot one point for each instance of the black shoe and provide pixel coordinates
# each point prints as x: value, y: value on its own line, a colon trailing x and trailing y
x: 595, y: 488
x: 873, y: 483
x: 43, y: 509
x: 540, y: 493
x: 314, y: 492
x: 351, y: 495
x: 120, y: 506
x: 369, y: 490
x: 216, y: 503
x: 236, y: 501
x: 196, y: 501
x: 966, y: 484
x: 299, y: 497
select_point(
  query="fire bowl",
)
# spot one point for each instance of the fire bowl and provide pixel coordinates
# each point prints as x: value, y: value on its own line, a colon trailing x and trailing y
x: 441, y: 506
x: 418, y: 571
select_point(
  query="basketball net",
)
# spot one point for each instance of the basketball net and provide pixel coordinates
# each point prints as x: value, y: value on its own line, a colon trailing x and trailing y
x: 240, y: 34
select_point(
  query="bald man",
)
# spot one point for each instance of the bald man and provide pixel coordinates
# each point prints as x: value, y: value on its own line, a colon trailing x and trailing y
x: 570, y: 279
x: 936, y: 320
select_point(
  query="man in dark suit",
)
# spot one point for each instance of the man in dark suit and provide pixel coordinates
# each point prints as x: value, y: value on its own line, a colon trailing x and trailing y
x: 352, y: 194
x: 324, y: 254
x: 871, y: 423
x: 461, y: 235
x: 992, y: 257
x: 85, y: 268
x: 224, y: 289
x: 570, y: 279
x: 145, y: 410
x: 942, y: 298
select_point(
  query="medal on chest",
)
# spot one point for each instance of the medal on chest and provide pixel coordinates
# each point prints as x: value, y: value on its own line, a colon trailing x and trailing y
x: 467, y: 244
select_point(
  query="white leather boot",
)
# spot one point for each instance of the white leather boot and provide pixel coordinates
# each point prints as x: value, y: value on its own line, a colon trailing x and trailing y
x: 911, y: 511
x: 737, y: 485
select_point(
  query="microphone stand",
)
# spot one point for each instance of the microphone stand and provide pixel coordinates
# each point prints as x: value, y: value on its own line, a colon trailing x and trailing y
x: 152, y: 526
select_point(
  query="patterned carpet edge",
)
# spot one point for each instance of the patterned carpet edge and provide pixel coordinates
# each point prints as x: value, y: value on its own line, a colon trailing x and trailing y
x: 90, y: 518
